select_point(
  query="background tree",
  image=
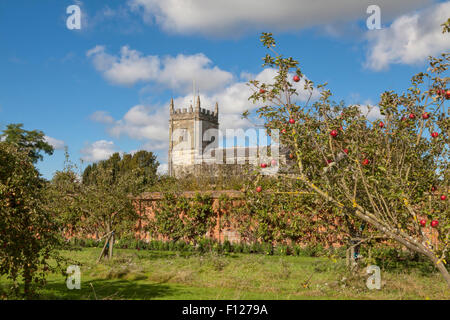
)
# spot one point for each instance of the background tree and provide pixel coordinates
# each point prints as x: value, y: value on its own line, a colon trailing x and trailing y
x: 106, y: 205
x: 33, y: 142
x: 391, y: 174
x: 100, y: 203
x: 64, y: 193
x: 142, y: 164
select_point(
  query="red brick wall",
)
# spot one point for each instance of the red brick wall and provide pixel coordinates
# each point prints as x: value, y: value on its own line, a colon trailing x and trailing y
x: 145, y: 205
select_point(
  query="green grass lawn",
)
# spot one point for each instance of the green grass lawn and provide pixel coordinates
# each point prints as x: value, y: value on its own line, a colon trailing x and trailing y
x: 148, y: 274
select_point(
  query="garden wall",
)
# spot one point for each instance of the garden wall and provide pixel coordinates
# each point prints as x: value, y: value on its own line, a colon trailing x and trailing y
x: 145, y: 205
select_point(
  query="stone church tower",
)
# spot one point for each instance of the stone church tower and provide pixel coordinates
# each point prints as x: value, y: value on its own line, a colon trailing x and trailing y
x: 194, y: 146
x: 191, y: 132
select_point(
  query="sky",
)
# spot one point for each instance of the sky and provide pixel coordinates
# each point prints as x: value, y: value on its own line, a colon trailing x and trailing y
x: 106, y: 87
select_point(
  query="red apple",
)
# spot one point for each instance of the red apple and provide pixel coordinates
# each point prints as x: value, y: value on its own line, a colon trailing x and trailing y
x: 262, y: 90
x: 423, y: 223
x: 273, y: 163
x: 258, y: 189
x: 425, y: 116
x: 381, y: 124
x: 296, y: 78
x: 345, y: 150
x: 443, y: 197
x: 291, y: 121
x: 434, y: 134
x: 283, y: 131
x: 263, y: 165
x: 434, y: 223
x: 412, y: 116
x: 447, y: 94
x: 365, y: 162
x: 291, y: 156
x: 433, y: 188
x: 329, y: 161
x: 333, y: 133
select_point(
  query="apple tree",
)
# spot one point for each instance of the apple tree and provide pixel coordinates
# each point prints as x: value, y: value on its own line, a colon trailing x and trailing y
x: 390, y: 174
x: 28, y: 233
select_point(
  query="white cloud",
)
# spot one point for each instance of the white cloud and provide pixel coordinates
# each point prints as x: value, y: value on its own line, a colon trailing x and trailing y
x: 235, y: 17
x: 142, y: 123
x: 410, y: 39
x: 102, y: 117
x: 179, y: 71
x: 163, y: 168
x: 99, y: 150
x: 128, y: 69
x: 176, y: 73
x: 55, y: 143
x: 371, y: 112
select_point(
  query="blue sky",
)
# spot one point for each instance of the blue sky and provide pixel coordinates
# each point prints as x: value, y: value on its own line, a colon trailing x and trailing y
x: 106, y: 87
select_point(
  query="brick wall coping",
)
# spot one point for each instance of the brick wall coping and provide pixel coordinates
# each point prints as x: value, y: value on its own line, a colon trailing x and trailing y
x: 214, y: 194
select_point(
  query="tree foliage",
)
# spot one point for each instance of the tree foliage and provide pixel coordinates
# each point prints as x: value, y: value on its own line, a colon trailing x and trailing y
x: 177, y: 217
x: 142, y: 165
x: 28, y: 232
x: 33, y: 142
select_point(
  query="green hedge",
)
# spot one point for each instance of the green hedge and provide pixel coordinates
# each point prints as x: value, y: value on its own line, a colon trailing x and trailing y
x: 208, y: 245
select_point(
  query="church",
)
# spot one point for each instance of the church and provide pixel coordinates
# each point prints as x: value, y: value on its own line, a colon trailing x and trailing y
x: 194, y: 145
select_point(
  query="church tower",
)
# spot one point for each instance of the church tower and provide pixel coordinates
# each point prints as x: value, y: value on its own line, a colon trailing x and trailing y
x: 191, y: 132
